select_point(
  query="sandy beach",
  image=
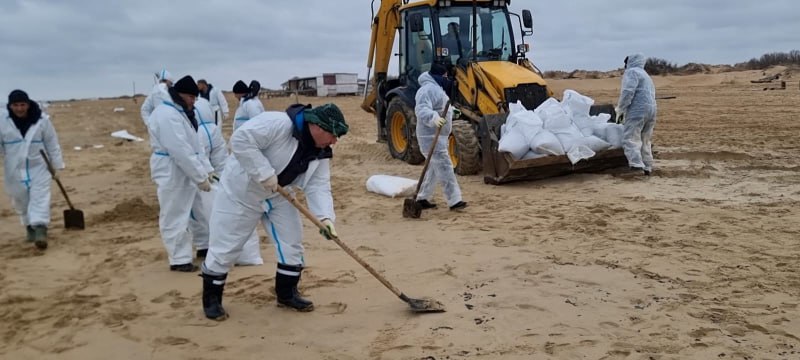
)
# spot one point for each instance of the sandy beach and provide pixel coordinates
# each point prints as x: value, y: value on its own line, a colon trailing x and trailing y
x: 699, y: 261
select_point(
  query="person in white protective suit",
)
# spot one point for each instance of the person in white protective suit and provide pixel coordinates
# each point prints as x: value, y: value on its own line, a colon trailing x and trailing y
x: 291, y: 149
x: 178, y: 169
x: 216, y: 99
x: 215, y: 151
x: 249, y: 103
x: 430, y: 103
x: 636, y: 109
x: 157, y: 95
x: 25, y: 130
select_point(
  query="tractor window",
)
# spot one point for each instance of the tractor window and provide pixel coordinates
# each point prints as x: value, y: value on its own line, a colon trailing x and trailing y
x: 418, y: 47
x: 501, y: 38
x: 493, y: 40
x: 455, y: 38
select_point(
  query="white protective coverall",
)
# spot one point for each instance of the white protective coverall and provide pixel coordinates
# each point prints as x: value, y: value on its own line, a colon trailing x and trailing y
x: 157, y: 95
x: 26, y: 178
x: 218, y: 104
x: 177, y: 166
x: 215, y: 151
x: 637, y: 101
x: 431, y: 100
x: 247, y: 110
x: 261, y: 148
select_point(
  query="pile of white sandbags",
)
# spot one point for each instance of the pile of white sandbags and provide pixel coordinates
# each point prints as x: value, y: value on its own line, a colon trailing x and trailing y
x: 558, y: 128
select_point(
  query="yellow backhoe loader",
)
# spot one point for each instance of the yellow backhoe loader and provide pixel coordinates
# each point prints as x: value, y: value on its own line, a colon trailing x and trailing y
x: 475, y: 40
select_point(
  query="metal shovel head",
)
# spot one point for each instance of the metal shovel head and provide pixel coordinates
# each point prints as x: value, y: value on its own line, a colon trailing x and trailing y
x: 423, y: 305
x: 411, y: 209
x: 73, y: 219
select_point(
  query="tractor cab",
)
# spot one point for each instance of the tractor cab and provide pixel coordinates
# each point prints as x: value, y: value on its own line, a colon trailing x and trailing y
x: 453, y: 33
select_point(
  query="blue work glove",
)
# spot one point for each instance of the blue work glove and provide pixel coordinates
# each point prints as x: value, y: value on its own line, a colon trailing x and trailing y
x: 330, y: 231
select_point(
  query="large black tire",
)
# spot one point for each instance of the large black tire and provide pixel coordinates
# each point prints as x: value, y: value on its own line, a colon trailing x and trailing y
x: 464, y: 148
x: 401, y: 132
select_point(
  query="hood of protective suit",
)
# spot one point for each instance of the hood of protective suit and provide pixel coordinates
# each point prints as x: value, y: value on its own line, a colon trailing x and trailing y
x: 23, y: 124
x: 636, y: 61
x: 426, y: 78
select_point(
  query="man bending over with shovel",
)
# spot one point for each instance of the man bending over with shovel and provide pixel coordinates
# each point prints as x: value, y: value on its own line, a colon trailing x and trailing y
x: 24, y: 131
x: 290, y: 149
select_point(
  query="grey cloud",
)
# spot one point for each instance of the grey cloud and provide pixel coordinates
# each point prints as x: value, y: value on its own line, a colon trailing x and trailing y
x: 66, y: 49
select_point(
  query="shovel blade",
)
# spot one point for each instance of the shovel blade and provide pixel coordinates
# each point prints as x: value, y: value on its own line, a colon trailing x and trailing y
x: 424, y: 305
x: 411, y: 209
x: 73, y: 219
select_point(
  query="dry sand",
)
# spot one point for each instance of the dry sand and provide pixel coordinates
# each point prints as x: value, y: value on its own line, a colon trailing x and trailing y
x: 699, y: 261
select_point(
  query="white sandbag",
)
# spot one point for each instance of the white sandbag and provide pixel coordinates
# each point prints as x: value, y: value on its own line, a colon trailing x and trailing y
x: 550, y: 102
x: 545, y: 142
x: 515, y: 143
x: 555, y: 118
x: 533, y: 155
x: 548, y: 105
x: 593, y: 142
x: 578, y: 153
x: 601, y: 117
x: 516, y: 111
x: 568, y: 136
x: 586, y: 125
x: 391, y: 186
x: 576, y: 104
x: 529, y: 125
x: 599, y: 130
x: 614, y: 135
x: 521, y: 122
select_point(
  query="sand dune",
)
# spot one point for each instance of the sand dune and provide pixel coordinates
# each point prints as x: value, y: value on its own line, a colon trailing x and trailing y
x: 699, y: 261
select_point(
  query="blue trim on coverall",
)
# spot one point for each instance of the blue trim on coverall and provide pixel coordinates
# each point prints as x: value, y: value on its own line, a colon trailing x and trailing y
x: 274, y: 233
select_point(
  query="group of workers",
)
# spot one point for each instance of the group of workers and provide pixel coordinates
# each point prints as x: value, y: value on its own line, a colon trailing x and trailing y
x: 270, y: 149
x: 213, y: 202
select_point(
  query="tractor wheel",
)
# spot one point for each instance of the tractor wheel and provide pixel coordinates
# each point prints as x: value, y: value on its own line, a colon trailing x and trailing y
x: 401, y: 124
x: 464, y: 148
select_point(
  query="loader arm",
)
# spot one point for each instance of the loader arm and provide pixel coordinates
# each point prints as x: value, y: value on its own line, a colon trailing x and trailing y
x: 384, y: 29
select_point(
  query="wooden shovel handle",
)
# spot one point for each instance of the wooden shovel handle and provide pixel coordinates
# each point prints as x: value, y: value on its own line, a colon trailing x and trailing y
x: 335, y: 239
x: 58, y: 181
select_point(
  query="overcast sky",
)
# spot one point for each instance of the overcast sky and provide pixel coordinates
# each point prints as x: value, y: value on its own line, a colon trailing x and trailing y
x: 57, y: 49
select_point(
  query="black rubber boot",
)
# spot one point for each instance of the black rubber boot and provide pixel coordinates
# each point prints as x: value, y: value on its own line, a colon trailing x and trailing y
x: 188, y: 267
x: 31, y: 234
x: 40, y: 236
x: 286, y: 289
x: 425, y: 204
x: 458, y: 206
x: 213, y: 286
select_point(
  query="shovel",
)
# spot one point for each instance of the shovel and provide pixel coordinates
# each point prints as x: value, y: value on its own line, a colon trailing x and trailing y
x: 411, y: 209
x: 73, y: 218
x: 417, y: 305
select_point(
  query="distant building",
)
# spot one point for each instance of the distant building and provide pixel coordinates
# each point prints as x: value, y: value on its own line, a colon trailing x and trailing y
x: 328, y: 84
x: 363, y: 86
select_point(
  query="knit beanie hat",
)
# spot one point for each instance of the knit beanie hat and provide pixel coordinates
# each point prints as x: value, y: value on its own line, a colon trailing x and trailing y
x: 437, y: 69
x: 240, y: 88
x: 18, y: 96
x: 186, y: 85
x: 328, y: 117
